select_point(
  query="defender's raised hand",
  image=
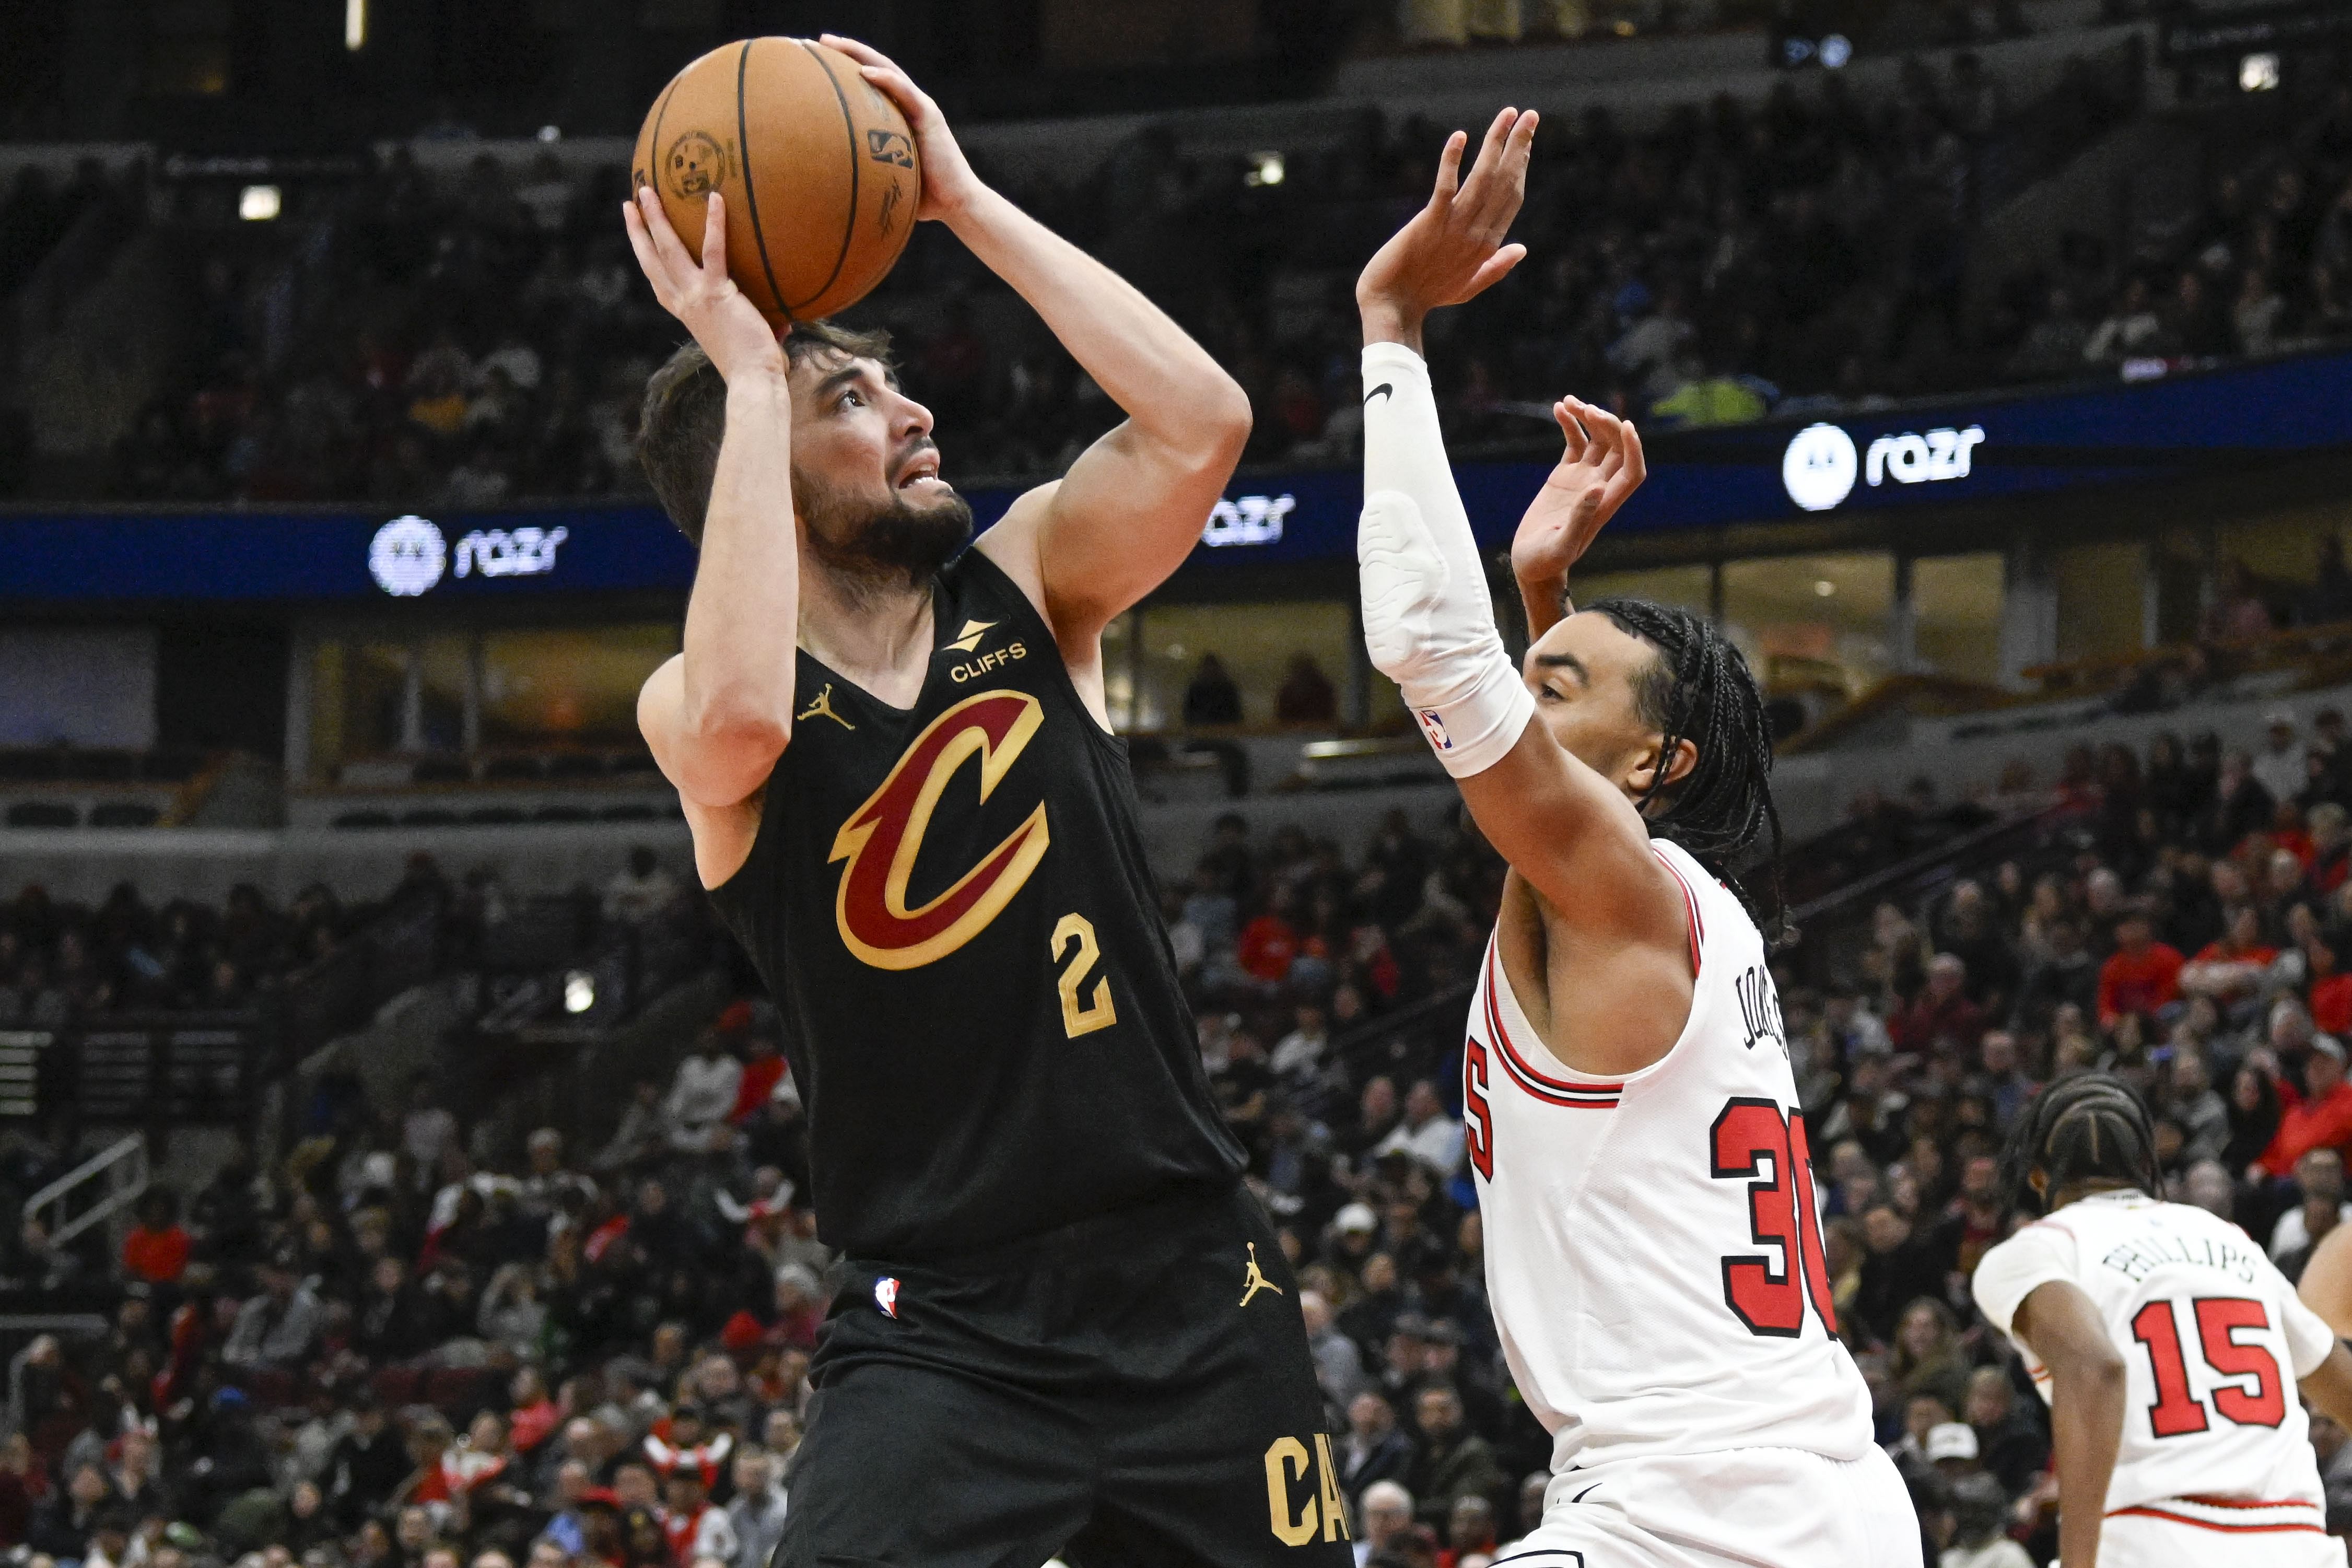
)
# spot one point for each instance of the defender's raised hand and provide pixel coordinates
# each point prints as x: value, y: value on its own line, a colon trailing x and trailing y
x: 949, y: 183
x: 729, y: 327
x: 1601, y: 466
x: 1452, y: 249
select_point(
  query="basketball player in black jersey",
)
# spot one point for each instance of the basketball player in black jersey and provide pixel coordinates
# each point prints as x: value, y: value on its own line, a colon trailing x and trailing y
x: 1067, y: 1327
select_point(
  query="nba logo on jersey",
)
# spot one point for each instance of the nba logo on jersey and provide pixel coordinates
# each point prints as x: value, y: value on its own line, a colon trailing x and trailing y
x: 885, y: 1296
x: 1434, y: 728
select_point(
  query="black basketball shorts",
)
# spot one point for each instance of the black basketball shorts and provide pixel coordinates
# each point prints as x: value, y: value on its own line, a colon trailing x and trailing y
x: 1131, y: 1392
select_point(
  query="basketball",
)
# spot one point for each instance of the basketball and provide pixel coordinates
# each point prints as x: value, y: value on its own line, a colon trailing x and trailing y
x: 818, y: 168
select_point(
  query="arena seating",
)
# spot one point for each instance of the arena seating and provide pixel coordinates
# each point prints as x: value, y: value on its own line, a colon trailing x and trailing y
x: 518, y: 1298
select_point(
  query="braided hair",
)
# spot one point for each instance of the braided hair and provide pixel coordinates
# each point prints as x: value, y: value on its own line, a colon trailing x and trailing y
x: 2088, y: 1126
x: 1699, y: 689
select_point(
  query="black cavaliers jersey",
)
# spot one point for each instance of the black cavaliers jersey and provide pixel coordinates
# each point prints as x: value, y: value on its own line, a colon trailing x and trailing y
x: 953, y: 908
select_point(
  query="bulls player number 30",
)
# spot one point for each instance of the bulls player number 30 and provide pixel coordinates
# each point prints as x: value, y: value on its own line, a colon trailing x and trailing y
x: 2176, y: 1412
x: 1757, y: 1139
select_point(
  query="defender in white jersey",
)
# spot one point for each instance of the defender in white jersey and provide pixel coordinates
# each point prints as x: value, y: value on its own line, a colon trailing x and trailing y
x: 1653, y: 1249
x: 2168, y: 1346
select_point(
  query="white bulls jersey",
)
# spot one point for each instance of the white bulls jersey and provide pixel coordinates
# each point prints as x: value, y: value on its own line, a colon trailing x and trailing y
x: 1654, y: 1252
x: 2213, y: 1341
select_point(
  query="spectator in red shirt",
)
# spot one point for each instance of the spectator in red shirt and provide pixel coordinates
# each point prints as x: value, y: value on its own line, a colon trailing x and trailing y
x: 2141, y: 975
x: 2322, y: 1119
x: 1942, y: 1013
x: 2231, y: 966
x: 156, y: 1250
x: 2331, y: 990
x: 1269, y: 942
x: 764, y: 1069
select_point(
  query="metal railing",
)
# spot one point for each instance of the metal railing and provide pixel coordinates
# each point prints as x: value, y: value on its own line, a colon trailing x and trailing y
x: 122, y: 1169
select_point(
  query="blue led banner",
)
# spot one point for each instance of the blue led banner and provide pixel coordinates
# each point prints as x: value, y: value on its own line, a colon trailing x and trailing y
x: 1988, y: 450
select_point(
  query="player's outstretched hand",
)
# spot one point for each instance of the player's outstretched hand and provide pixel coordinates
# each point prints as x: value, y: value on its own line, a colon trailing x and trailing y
x: 729, y: 327
x: 949, y: 183
x: 1602, y: 466
x: 1452, y: 249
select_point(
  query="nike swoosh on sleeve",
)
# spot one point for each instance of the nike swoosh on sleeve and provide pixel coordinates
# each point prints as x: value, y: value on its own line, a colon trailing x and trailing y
x: 1382, y: 390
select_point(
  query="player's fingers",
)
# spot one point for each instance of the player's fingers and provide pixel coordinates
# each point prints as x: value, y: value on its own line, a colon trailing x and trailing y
x: 899, y: 88
x: 1449, y: 171
x: 1571, y: 432
x: 1637, y: 466
x: 1496, y: 265
x: 1482, y: 168
x: 675, y: 263
x: 863, y: 53
x: 648, y: 262
x: 714, y: 238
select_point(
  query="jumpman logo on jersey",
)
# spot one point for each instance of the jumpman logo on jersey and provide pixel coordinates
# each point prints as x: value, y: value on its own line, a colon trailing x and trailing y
x: 1256, y: 1281
x: 823, y: 709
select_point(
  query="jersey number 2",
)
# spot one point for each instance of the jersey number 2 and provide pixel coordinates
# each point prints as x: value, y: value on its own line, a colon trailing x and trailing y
x: 1081, y: 1016
x: 1768, y: 1296
x: 2176, y: 1412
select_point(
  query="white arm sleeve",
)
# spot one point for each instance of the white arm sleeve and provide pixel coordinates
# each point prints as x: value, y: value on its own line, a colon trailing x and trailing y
x: 1429, y: 622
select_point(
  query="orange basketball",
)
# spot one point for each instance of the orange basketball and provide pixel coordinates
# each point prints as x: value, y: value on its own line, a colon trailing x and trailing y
x: 818, y: 168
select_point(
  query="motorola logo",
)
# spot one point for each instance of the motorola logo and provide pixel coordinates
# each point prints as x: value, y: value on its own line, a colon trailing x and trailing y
x: 410, y: 554
x: 407, y: 557
x: 1819, y: 466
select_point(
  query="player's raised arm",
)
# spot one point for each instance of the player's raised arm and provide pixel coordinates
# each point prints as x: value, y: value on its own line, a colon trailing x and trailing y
x: 719, y: 715
x: 1429, y: 623
x: 1602, y: 466
x: 1133, y: 505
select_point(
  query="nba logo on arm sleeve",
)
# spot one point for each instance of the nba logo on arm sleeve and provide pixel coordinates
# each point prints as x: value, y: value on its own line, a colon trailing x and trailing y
x: 1434, y: 728
x: 885, y: 1296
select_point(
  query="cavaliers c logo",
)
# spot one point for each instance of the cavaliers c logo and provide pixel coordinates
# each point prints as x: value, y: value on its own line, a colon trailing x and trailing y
x: 882, y: 837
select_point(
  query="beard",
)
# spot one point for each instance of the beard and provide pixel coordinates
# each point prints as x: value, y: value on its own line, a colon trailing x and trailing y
x: 887, y: 544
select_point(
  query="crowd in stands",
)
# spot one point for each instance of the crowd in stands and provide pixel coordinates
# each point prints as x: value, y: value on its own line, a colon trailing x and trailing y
x: 480, y: 335
x: 431, y: 1333
x: 61, y: 962
x: 2265, y: 265
x: 64, y: 964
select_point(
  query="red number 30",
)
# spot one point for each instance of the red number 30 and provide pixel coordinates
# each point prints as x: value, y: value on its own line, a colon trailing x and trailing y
x: 1767, y: 1294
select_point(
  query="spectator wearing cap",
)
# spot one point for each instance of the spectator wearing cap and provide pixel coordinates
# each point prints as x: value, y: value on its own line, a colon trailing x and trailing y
x: 2141, y: 976
x: 1952, y: 1447
x: 1441, y: 1362
x: 2321, y: 1118
x: 278, y: 1328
